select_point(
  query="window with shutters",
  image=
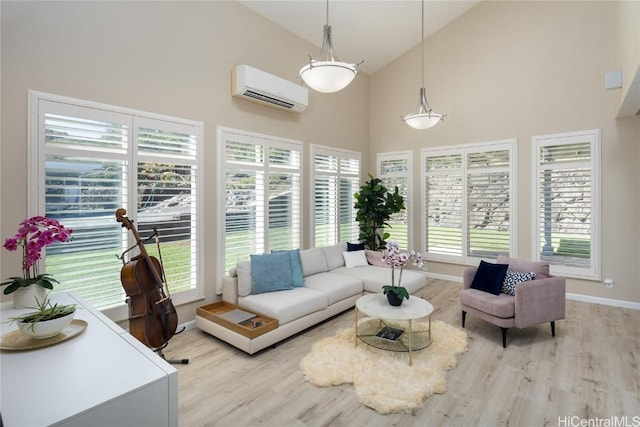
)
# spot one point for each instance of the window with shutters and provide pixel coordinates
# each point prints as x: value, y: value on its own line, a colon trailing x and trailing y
x: 336, y: 177
x: 89, y: 160
x: 262, y: 209
x: 394, y: 169
x: 567, y: 215
x: 469, y: 202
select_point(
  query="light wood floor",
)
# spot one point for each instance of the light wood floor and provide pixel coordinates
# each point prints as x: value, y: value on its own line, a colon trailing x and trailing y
x: 589, y: 370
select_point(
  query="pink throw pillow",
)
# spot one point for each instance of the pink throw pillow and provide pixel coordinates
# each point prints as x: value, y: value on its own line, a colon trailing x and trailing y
x: 375, y: 258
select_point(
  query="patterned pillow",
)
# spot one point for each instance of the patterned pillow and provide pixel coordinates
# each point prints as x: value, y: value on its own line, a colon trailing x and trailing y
x: 512, y: 279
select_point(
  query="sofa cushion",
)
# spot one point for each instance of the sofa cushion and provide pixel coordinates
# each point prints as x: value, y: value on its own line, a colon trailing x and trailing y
x: 375, y: 258
x: 374, y: 278
x: 540, y: 268
x: 271, y: 272
x: 489, y: 277
x: 245, y: 281
x: 355, y: 247
x: 512, y: 279
x: 333, y: 255
x: 355, y: 259
x: 296, y: 266
x: 286, y: 306
x: 502, y: 305
x: 313, y: 261
x: 335, y: 286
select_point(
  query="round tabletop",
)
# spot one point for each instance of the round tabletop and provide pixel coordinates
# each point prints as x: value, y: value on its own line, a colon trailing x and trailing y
x: 376, y: 305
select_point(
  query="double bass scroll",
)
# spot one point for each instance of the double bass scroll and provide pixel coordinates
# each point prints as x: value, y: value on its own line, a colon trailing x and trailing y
x: 152, y: 317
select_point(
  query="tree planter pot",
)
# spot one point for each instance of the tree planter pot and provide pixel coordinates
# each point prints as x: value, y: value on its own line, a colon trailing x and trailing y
x: 46, y: 329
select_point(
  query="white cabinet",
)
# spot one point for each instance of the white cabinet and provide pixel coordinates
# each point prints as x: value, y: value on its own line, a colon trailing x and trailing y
x: 102, y: 377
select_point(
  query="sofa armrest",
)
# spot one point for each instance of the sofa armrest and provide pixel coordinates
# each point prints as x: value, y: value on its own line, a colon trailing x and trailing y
x: 230, y: 289
x: 467, y: 277
x: 539, y: 301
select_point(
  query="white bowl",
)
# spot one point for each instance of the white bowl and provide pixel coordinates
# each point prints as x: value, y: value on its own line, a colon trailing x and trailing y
x: 46, y: 329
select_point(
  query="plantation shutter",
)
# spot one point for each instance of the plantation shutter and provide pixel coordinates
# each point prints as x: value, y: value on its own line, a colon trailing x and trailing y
x: 349, y: 185
x: 93, y: 160
x: 394, y: 171
x: 284, y: 198
x: 336, y: 178
x: 469, y: 202
x: 567, y: 210
x: 488, y: 204
x: 263, y: 211
x: 85, y: 181
x: 325, y: 199
x: 443, y: 204
x: 167, y: 198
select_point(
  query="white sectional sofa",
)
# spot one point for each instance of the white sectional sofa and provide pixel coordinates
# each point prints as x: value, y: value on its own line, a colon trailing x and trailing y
x: 330, y: 287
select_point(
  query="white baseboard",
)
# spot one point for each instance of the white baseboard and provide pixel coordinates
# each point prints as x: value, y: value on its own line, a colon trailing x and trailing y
x: 604, y: 301
x: 575, y: 297
x: 187, y: 325
x: 445, y: 277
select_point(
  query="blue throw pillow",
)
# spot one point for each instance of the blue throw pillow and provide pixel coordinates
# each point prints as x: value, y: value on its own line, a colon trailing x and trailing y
x: 296, y: 267
x: 271, y: 272
x: 355, y: 247
x: 489, y: 277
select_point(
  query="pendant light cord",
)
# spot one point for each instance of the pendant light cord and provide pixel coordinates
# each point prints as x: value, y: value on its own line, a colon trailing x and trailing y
x: 327, y: 12
x: 422, y: 40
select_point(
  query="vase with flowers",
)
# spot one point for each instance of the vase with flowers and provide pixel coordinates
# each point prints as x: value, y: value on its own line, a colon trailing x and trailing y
x: 398, y: 260
x: 33, y: 235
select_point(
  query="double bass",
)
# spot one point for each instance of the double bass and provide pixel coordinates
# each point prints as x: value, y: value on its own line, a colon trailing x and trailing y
x: 152, y: 317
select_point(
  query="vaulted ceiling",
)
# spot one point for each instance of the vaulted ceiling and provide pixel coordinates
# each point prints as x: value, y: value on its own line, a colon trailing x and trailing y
x: 377, y: 31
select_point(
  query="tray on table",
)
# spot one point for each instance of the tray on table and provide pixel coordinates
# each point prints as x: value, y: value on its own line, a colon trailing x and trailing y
x: 250, y: 328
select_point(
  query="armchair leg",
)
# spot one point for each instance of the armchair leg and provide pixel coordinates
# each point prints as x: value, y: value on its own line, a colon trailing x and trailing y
x: 464, y: 315
x: 553, y: 329
x: 504, y: 337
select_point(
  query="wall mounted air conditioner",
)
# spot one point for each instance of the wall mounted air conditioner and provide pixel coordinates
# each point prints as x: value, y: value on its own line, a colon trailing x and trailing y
x: 255, y: 85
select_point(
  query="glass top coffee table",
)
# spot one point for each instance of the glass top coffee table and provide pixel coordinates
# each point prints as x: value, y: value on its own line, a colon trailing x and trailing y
x: 392, y: 328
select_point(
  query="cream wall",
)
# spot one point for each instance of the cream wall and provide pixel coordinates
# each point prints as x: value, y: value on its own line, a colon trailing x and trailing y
x: 171, y: 58
x: 515, y: 70
x: 628, y: 56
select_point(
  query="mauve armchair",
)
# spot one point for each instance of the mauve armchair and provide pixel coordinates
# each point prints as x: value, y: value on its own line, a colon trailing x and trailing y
x: 536, y: 301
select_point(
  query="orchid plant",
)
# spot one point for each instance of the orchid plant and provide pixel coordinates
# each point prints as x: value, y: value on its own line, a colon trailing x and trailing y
x: 399, y: 260
x: 33, y: 235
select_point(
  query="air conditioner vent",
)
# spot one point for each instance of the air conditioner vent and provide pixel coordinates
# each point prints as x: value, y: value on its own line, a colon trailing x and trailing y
x: 258, y: 86
x: 269, y: 99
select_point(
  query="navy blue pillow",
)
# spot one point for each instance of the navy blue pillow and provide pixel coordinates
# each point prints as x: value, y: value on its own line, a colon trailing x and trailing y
x: 489, y: 277
x: 355, y: 247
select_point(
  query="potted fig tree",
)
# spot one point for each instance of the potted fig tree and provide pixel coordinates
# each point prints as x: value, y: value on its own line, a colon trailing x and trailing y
x: 374, y: 206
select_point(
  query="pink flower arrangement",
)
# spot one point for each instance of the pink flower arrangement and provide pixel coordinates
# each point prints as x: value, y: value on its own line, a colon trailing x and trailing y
x: 33, y: 235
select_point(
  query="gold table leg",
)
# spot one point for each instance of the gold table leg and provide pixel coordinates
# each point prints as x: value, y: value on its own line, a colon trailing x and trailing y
x: 410, y: 343
x: 356, y: 328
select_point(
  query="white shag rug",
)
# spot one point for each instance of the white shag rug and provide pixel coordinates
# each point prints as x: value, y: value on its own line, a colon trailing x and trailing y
x: 383, y: 380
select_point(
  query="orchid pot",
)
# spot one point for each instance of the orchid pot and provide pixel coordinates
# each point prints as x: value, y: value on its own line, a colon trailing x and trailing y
x: 398, y: 260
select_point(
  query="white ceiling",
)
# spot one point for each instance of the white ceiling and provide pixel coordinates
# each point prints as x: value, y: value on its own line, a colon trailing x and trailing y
x: 377, y: 31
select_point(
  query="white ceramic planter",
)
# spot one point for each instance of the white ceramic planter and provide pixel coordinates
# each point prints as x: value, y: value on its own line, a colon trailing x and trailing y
x: 46, y: 329
x: 28, y: 297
